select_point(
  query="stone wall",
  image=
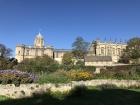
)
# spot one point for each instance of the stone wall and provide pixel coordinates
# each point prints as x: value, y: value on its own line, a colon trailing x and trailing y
x: 27, y: 90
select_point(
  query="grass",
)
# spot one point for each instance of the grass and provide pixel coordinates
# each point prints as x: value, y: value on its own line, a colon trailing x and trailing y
x: 56, y: 77
x: 2, y: 98
x: 82, y: 96
x: 63, y: 76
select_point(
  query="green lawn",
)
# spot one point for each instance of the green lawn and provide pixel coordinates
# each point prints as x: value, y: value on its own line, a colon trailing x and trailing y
x: 82, y: 97
x: 2, y: 98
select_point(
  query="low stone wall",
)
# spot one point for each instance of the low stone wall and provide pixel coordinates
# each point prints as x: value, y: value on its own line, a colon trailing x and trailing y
x: 27, y: 90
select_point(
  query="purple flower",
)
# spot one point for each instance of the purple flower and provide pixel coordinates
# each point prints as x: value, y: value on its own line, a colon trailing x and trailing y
x: 15, y: 75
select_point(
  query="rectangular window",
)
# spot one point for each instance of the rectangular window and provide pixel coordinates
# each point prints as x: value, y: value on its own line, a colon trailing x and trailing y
x: 56, y: 55
x: 113, y: 51
x: 119, y: 51
x: 27, y: 53
x: 102, y: 51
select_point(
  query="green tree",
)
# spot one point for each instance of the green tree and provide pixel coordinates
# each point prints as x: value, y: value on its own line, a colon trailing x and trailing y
x: 4, y: 51
x: 95, y: 47
x: 132, y: 50
x: 67, y: 59
x: 5, y: 61
x: 79, y: 47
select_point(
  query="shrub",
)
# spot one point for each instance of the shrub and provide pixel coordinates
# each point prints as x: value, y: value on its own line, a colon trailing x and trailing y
x: 3, y: 98
x: 67, y: 59
x: 120, y: 72
x: 80, y: 75
x: 80, y: 63
x: 15, y: 77
x: 56, y: 77
x: 7, y: 63
x: 38, y: 64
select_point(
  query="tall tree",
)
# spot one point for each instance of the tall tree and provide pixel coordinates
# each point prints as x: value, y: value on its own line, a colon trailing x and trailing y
x: 5, y: 61
x: 80, y: 47
x: 132, y: 50
x: 95, y: 47
x: 4, y: 51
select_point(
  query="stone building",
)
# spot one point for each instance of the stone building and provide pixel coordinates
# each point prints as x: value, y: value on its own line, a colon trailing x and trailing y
x: 58, y: 54
x: 104, y: 53
x: 38, y: 49
x: 99, y: 53
x: 98, y: 61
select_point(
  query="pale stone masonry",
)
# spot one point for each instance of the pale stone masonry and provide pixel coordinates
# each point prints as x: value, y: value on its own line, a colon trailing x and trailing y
x: 99, y: 53
x: 39, y: 49
x: 27, y: 90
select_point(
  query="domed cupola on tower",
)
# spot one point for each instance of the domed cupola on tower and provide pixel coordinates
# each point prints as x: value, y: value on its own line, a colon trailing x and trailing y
x: 39, y: 41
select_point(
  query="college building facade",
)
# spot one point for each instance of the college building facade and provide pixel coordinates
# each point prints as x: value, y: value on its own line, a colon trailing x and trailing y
x: 104, y: 53
x: 38, y: 49
x: 99, y: 53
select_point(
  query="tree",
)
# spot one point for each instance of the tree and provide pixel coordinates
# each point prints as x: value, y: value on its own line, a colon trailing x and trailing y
x: 11, y: 63
x: 95, y: 47
x: 134, y: 43
x: 5, y: 61
x: 67, y: 59
x: 132, y: 50
x: 80, y: 47
x: 4, y: 51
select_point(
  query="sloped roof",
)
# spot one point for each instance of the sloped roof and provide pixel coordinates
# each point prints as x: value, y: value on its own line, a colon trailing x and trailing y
x: 62, y: 50
x: 98, y: 58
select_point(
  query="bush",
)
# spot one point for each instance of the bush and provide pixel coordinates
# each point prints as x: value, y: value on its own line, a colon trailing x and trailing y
x: 6, y: 63
x: 56, y: 77
x: 67, y: 59
x: 62, y: 76
x: 3, y: 98
x: 38, y: 64
x: 80, y: 75
x: 15, y: 77
x: 120, y: 72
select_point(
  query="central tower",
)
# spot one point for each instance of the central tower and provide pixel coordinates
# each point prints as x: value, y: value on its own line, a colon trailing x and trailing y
x: 39, y: 41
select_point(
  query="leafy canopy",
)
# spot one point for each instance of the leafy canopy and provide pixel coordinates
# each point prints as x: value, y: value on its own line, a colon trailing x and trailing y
x: 132, y: 50
x: 4, y: 51
x: 79, y: 47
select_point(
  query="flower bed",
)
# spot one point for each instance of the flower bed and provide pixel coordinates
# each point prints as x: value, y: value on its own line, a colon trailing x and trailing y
x: 78, y: 75
x: 15, y: 77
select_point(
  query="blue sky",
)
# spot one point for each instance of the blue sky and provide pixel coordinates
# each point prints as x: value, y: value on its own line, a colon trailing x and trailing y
x: 61, y: 21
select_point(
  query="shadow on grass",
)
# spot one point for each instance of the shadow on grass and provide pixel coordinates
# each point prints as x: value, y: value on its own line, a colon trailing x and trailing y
x: 86, y: 97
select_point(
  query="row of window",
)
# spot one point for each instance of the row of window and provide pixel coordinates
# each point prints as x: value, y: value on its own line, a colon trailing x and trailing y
x: 27, y: 53
x: 111, y: 51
